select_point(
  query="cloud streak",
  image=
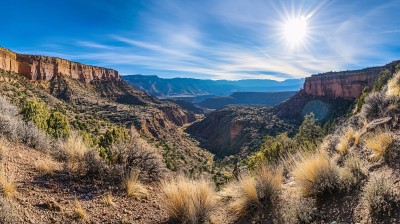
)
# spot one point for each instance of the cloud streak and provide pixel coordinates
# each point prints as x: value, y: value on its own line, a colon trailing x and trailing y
x: 235, y: 39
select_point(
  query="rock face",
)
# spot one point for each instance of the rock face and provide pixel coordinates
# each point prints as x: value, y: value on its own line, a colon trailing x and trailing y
x: 347, y: 85
x: 35, y: 67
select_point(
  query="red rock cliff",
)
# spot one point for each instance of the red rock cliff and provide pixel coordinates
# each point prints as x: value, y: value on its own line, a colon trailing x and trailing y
x: 36, y: 67
x: 347, y: 84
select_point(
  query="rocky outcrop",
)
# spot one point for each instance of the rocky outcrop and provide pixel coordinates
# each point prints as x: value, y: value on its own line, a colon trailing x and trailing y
x: 347, y: 85
x: 35, y: 67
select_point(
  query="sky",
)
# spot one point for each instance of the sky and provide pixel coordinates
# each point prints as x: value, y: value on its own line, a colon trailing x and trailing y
x: 207, y: 39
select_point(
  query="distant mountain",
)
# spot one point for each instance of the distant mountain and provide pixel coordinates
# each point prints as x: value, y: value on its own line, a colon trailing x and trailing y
x: 246, y: 98
x: 178, y: 87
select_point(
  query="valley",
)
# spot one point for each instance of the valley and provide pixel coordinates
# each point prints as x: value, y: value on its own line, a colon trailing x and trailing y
x: 114, y: 145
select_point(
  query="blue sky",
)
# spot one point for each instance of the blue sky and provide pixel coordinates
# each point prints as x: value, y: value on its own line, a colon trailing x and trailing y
x: 224, y: 39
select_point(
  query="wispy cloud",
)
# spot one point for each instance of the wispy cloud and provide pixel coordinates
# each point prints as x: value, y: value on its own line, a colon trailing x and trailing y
x: 235, y: 39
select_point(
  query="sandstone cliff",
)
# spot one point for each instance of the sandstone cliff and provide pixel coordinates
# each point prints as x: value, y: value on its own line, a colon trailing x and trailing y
x: 347, y: 85
x: 35, y: 67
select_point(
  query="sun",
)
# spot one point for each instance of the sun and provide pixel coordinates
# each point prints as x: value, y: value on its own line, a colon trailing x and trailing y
x: 295, y: 30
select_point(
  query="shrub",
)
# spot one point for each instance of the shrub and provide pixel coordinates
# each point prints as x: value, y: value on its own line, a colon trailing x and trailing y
x: 295, y: 208
x: 37, y: 112
x: 352, y: 172
x: 381, y: 193
x: 115, y: 135
x: 394, y: 86
x: 272, y: 150
x: 378, y: 143
x: 188, y: 201
x: 247, y: 194
x: 315, y: 173
x: 382, y: 80
x: 16, y: 130
x: 133, y: 186
x: 58, y: 125
x: 375, y: 106
x: 309, y: 132
x: 361, y: 100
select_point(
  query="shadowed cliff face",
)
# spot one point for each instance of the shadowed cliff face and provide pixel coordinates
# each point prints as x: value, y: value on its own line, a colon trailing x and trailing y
x: 35, y: 67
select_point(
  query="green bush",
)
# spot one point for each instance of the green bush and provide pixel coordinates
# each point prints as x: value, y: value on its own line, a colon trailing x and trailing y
x: 309, y: 132
x: 109, y: 138
x: 382, y: 79
x: 58, y: 125
x: 361, y: 100
x: 272, y: 150
x: 37, y: 112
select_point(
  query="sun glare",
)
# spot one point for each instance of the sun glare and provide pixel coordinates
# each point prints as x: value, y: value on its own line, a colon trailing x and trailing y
x: 295, y: 30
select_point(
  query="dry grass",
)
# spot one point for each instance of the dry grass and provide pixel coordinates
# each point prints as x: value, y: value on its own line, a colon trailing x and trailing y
x: 357, y: 136
x: 381, y: 193
x: 3, y: 148
x: 315, y: 173
x: 378, y: 143
x: 74, y: 150
x: 393, y: 86
x: 80, y: 212
x: 249, y: 193
x: 133, y: 186
x: 353, y: 171
x: 188, y: 201
x: 8, y: 188
x: 242, y: 195
x: 44, y: 167
x: 109, y: 200
x: 345, y: 141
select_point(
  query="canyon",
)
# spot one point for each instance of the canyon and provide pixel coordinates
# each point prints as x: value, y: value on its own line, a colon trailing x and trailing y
x: 36, y: 67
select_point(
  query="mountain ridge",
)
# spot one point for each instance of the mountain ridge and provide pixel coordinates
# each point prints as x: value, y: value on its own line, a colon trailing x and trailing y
x: 161, y: 87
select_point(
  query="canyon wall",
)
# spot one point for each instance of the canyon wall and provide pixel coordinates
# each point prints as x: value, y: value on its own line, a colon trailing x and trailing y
x: 35, y: 67
x: 347, y: 85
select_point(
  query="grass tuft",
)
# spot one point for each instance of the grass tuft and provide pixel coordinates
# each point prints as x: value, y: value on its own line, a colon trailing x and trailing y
x: 133, y: 186
x: 80, y: 212
x: 75, y: 150
x: 45, y: 167
x: 378, y: 143
x: 345, y: 141
x: 188, y: 201
x: 315, y: 173
x: 108, y: 200
x: 249, y: 193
